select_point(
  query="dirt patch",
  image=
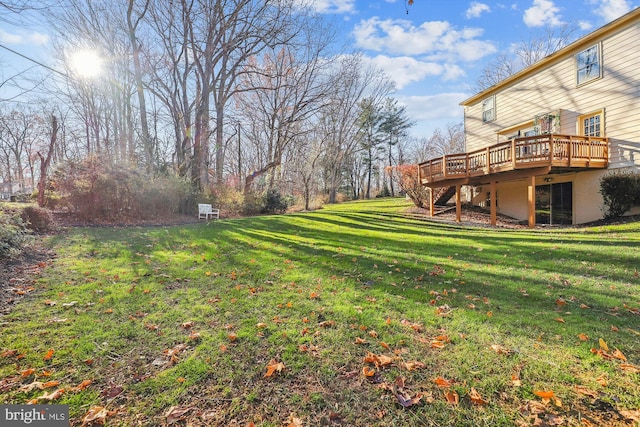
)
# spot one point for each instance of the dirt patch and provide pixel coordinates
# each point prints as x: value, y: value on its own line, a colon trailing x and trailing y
x: 18, y: 273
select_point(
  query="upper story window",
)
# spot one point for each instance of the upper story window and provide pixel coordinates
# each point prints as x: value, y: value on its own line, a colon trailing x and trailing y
x: 591, y: 124
x: 489, y: 109
x: 588, y: 65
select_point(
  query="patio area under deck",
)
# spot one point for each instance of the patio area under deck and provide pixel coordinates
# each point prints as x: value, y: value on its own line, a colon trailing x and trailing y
x: 526, y: 157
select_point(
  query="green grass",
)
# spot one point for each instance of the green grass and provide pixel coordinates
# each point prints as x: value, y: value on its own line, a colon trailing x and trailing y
x: 316, y: 282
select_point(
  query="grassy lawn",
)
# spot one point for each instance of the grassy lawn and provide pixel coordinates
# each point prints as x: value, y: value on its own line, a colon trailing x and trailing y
x: 351, y: 315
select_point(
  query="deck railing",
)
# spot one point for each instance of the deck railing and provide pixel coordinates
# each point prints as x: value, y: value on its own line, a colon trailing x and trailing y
x: 564, y: 151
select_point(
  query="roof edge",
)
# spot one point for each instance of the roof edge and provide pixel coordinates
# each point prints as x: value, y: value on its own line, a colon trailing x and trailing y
x: 586, y: 39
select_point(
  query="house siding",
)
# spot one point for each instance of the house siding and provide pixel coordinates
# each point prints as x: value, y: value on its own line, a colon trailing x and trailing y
x: 554, y: 88
x: 551, y: 86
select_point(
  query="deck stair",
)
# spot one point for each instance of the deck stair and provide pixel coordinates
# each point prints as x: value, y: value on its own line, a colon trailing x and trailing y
x: 443, y: 196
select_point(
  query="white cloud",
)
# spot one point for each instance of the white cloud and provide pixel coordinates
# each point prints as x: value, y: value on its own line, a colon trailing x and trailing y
x: 437, y: 39
x: 333, y: 6
x: 405, y: 70
x: 34, y: 38
x: 612, y: 9
x: 476, y: 9
x: 584, y: 25
x: 542, y: 13
x: 433, y: 111
x: 8, y: 38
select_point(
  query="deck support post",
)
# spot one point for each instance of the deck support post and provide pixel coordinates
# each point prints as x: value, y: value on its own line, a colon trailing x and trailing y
x: 432, y: 202
x: 531, y: 190
x: 493, y: 202
x: 458, y: 204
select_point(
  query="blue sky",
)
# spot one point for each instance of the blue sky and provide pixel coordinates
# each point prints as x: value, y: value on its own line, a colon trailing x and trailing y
x: 433, y: 50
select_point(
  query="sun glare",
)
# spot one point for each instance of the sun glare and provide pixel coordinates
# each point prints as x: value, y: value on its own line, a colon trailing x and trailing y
x: 86, y: 63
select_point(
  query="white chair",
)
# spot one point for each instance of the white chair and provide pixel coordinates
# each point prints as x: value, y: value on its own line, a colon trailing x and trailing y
x: 206, y: 211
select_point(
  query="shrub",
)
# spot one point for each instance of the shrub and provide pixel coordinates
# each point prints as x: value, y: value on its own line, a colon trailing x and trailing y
x: 274, y: 202
x: 407, y: 177
x: 37, y: 219
x: 226, y: 197
x: 621, y: 192
x: 98, y: 190
x: 12, y: 233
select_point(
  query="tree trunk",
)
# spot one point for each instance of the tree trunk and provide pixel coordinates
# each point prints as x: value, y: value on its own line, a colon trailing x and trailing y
x: 44, y: 163
x: 146, y: 140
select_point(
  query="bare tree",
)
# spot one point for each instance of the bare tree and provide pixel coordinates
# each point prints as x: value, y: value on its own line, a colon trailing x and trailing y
x: 132, y: 27
x: 524, y: 54
x: 352, y: 82
x: 45, y: 161
x: 281, y: 94
x: 442, y: 142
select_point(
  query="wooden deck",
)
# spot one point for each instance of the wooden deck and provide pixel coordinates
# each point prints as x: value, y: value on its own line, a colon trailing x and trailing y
x: 533, y: 155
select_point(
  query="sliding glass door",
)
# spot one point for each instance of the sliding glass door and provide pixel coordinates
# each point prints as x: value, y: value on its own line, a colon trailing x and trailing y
x: 554, y: 204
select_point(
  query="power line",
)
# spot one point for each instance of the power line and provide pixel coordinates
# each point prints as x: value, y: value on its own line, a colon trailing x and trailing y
x: 36, y: 62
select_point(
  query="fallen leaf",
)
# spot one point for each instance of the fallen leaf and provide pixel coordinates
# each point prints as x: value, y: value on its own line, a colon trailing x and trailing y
x: 27, y: 372
x: 560, y: 302
x: 559, y: 319
x: 476, y: 398
x: 261, y: 325
x: 49, y: 354
x: 294, y: 421
x: 437, y: 344
x: 175, y: 414
x: 515, y: 381
x: 384, y: 360
x: 50, y: 384
x: 194, y: 336
x: 617, y: 354
x: 500, y: 349
x: 633, y: 415
x: 546, y: 396
x: 52, y: 396
x: 368, y: 372
x: 583, y: 337
x: 441, y: 382
x: 188, y: 325
x: 112, y: 391
x: 603, y: 344
x: 630, y: 368
x: 327, y: 323
x: 584, y: 390
x: 384, y: 344
x: 9, y: 353
x: 360, y: 341
x: 96, y: 415
x: 452, y: 397
x: 411, y: 366
x: 84, y: 384
x: 273, y: 367
x: 407, y: 401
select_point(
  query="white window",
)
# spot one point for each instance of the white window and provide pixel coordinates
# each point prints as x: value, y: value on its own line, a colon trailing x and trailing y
x: 591, y: 124
x: 588, y: 65
x: 489, y: 109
